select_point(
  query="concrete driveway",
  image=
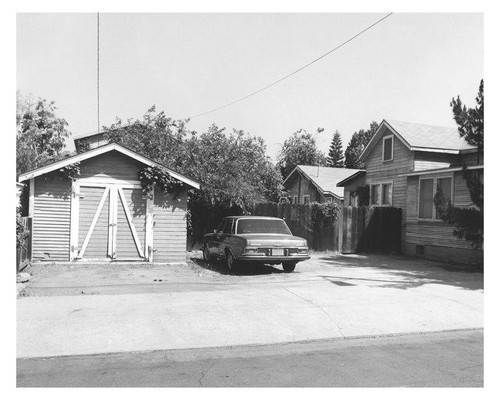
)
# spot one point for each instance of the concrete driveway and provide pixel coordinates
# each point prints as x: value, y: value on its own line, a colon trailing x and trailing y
x: 173, y: 307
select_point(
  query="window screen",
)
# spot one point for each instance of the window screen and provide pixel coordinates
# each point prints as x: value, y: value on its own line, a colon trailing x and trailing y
x: 388, y: 149
x: 387, y: 194
x: 444, y: 185
x: 426, y: 198
x: 374, y: 194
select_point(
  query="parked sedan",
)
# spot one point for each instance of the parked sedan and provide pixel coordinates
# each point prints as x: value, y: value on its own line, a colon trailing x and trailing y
x: 263, y: 240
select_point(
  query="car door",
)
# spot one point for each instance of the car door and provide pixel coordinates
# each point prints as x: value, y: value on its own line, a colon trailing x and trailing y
x: 227, y: 235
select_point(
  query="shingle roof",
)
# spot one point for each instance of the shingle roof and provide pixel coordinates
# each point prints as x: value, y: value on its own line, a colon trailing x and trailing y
x: 327, y: 178
x: 427, y: 136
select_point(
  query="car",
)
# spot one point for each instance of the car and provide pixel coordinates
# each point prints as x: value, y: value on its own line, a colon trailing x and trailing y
x: 254, y: 239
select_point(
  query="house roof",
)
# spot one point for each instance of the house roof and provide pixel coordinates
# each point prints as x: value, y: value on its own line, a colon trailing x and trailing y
x: 441, y: 170
x: 420, y: 137
x: 351, y: 177
x: 325, y: 178
x: 101, y: 150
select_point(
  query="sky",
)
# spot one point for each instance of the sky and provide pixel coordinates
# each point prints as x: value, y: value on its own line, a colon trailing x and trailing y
x: 406, y: 68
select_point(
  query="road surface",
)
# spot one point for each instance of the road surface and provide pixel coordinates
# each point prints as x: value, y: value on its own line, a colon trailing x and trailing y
x: 444, y: 359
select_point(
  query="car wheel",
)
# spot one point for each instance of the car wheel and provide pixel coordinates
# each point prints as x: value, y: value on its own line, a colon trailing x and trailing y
x: 288, y: 266
x: 206, y: 253
x: 230, y: 261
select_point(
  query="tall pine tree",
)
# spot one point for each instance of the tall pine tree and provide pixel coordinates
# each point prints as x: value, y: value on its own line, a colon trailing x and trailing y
x: 336, y: 155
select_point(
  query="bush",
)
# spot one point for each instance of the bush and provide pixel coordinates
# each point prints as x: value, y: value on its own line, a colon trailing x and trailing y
x: 324, y: 214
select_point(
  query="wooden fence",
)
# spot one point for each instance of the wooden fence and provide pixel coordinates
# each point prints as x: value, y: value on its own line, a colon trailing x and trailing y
x: 298, y: 219
x: 371, y: 230
x: 23, y: 254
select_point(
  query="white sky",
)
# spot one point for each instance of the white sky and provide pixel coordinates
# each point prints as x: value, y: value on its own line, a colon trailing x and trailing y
x: 406, y: 68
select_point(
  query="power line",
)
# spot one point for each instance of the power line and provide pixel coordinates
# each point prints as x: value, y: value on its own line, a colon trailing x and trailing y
x: 292, y: 73
x: 98, y: 119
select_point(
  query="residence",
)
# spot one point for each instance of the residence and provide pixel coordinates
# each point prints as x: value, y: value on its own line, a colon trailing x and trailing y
x: 405, y: 164
x: 308, y: 183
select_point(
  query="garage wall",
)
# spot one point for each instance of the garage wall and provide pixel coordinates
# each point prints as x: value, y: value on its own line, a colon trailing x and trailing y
x: 51, y: 218
x: 170, y: 230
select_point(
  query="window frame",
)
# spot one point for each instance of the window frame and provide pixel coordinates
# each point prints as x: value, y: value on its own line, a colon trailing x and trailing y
x: 295, y: 199
x: 380, y: 184
x: 304, y: 198
x: 434, y: 189
x: 391, y: 137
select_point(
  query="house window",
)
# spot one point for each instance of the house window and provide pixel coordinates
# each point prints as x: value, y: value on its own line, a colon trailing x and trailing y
x: 374, y: 194
x: 295, y: 199
x: 428, y: 188
x: 386, y: 194
x: 353, y: 199
x: 381, y: 194
x: 306, y: 199
x: 426, y: 203
x: 388, y: 148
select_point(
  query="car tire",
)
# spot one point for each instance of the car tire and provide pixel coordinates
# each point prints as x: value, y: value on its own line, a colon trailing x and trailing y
x: 289, y: 266
x: 206, y: 253
x: 230, y: 262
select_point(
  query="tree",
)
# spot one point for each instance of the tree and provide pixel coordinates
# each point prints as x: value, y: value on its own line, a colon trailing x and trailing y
x: 299, y: 149
x: 233, y: 169
x: 336, y: 155
x: 40, y: 137
x: 470, y: 121
x: 468, y: 221
x: 357, y: 144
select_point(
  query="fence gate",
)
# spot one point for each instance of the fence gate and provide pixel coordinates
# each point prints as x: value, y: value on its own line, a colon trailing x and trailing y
x: 371, y: 230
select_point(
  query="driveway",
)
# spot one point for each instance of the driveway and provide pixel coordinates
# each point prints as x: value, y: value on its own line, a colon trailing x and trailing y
x: 175, y: 307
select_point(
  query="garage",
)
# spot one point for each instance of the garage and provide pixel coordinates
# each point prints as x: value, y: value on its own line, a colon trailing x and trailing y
x: 102, y: 213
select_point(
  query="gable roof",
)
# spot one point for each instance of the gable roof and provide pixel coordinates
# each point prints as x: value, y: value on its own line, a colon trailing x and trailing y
x: 344, y: 182
x: 101, y: 150
x: 325, y: 178
x: 420, y: 137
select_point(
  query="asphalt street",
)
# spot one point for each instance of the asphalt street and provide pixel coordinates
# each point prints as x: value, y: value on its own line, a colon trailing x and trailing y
x: 443, y: 359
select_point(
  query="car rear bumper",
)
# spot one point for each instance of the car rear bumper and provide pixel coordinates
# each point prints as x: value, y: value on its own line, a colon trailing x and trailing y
x: 273, y: 259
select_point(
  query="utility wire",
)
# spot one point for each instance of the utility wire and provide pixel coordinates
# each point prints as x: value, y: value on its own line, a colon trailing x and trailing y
x: 98, y: 119
x: 292, y: 73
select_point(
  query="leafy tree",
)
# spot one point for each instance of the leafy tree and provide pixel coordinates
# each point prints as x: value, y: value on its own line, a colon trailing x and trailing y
x: 233, y: 169
x: 468, y: 221
x: 40, y: 137
x: 357, y: 144
x: 470, y: 121
x: 336, y: 155
x: 299, y: 149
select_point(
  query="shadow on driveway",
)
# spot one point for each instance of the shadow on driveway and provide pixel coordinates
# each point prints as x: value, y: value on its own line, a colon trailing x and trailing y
x: 244, y: 269
x: 398, y: 272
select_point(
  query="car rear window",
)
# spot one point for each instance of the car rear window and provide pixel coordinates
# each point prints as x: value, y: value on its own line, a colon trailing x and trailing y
x: 263, y: 226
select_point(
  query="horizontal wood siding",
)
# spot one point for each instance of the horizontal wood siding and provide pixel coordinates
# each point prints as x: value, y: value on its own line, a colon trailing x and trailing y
x: 97, y: 247
x: 111, y: 165
x: 51, y: 219
x: 428, y: 160
x: 126, y: 248
x: 170, y: 230
x: 388, y: 171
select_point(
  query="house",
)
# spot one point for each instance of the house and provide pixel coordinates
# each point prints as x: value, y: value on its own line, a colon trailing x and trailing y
x: 102, y: 214
x: 405, y: 163
x: 308, y: 183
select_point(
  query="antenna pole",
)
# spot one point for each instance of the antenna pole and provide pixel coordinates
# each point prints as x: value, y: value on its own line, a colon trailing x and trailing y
x: 98, y: 116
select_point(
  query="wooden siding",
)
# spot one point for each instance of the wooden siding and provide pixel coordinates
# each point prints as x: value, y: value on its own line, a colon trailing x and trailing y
x: 300, y: 186
x: 428, y: 160
x: 387, y: 171
x: 51, y: 219
x: 436, y: 236
x: 170, y: 230
x: 126, y: 248
x: 351, y: 187
x: 113, y: 164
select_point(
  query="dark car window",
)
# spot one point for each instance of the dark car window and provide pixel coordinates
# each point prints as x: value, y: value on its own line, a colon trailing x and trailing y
x: 251, y: 225
x: 221, y: 225
x: 227, y: 227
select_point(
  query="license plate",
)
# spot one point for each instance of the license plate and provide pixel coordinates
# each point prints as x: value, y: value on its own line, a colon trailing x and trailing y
x: 278, y: 252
